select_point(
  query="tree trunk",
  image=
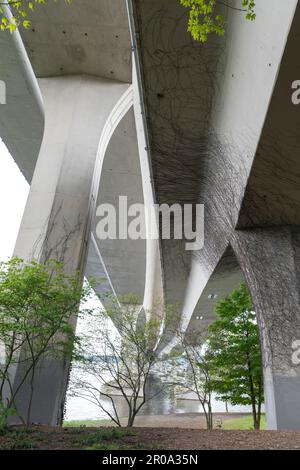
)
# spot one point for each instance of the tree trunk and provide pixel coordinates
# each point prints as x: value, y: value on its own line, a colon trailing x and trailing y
x: 208, y: 416
x: 211, y: 424
x: 253, y: 397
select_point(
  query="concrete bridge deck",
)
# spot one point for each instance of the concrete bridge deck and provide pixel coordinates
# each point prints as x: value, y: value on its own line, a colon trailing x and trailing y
x: 211, y: 124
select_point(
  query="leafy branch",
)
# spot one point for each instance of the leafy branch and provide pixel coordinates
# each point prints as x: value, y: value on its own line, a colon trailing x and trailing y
x: 37, y: 307
x: 14, y: 13
x: 204, y: 20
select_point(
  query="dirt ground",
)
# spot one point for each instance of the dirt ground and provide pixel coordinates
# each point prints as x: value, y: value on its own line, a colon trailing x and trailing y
x: 192, y: 439
x: 146, y: 438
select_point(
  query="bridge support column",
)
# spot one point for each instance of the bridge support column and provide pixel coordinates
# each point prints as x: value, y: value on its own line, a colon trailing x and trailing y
x: 57, y: 217
x: 270, y: 260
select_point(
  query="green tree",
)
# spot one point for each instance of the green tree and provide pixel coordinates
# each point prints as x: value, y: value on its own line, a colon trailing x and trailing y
x: 15, y: 13
x: 37, y: 305
x: 188, y: 371
x: 204, y: 19
x: 235, y: 355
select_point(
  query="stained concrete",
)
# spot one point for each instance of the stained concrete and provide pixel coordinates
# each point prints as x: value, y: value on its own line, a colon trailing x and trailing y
x: 217, y: 128
x: 223, y: 132
x: 58, y: 214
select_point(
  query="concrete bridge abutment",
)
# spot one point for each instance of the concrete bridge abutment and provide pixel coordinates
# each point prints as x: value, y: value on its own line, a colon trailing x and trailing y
x: 80, y: 115
x: 270, y: 260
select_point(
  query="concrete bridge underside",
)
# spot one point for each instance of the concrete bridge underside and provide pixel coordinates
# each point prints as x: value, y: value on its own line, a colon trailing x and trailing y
x: 180, y: 123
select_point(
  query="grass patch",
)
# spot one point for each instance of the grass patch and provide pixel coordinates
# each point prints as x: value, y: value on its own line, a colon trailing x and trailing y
x: 89, y: 423
x: 17, y: 439
x: 105, y: 434
x: 21, y: 444
x: 242, y: 423
x: 113, y: 439
x: 82, y: 437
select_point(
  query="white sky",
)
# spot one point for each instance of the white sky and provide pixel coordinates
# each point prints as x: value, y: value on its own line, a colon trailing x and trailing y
x: 13, y: 195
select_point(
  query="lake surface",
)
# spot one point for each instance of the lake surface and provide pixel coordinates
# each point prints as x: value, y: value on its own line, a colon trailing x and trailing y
x: 79, y: 409
x: 162, y: 404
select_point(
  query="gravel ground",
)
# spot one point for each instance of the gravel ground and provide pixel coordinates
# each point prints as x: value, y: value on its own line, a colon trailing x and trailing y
x: 182, y: 439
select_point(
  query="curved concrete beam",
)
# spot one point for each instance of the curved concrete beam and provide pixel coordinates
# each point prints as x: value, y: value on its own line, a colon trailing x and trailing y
x: 123, y: 257
x: 200, y: 152
x: 22, y: 117
x: 224, y: 133
x: 153, y: 293
x: 58, y: 214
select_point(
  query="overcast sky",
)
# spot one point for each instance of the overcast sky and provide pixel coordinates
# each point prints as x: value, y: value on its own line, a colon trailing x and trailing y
x: 13, y: 195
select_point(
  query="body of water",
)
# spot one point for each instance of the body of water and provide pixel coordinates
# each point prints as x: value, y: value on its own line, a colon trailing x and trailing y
x: 79, y: 409
x: 162, y: 404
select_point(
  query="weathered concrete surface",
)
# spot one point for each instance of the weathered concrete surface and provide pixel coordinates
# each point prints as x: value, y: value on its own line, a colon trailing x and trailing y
x: 58, y: 214
x: 270, y: 260
x: 223, y: 133
x: 22, y: 117
x: 272, y: 195
x: 66, y: 42
x: 85, y: 38
x: 86, y: 50
x: 203, y: 126
x: 125, y: 260
x: 88, y: 37
x: 153, y: 291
